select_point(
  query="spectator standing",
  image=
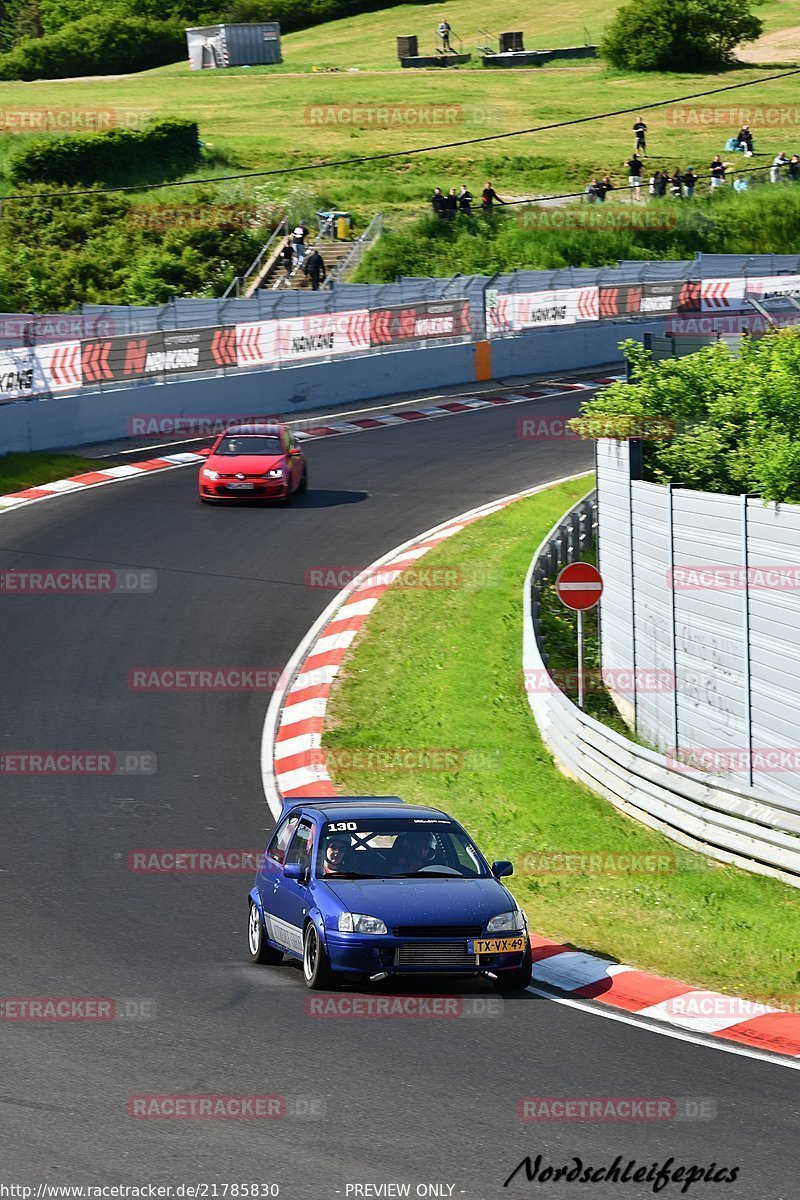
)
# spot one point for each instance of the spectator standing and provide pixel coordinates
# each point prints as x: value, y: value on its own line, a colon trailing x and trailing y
x: 654, y: 184
x: 451, y: 204
x: 717, y: 169
x: 287, y: 257
x: 465, y: 200
x: 640, y: 136
x: 591, y: 191
x: 690, y: 178
x: 676, y: 185
x: 444, y: 32
x: 775, y: 171
x: 634, y: 166
x: 299, y: 238
x: 489, y: 196
x: 437, y: 202
x: 794, y: 168
x: 314, y: 268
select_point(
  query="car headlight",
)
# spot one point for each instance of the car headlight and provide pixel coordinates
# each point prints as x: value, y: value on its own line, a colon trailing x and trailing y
x: 210, y: 474
x: 359, y: 923
x: 275, y: 473
x: 507, y: 922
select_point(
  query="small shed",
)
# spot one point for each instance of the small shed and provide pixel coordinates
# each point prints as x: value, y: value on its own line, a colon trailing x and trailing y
x: 213, y: 46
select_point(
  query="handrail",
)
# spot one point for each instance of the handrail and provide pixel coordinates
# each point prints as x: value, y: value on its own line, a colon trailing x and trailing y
x: 356, y: 251
x: 238, y: 282
x: 324, y: 229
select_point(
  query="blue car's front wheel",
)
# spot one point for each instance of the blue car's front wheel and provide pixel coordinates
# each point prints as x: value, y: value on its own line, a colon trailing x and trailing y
x: 257, y: 944
x: 317, y: 973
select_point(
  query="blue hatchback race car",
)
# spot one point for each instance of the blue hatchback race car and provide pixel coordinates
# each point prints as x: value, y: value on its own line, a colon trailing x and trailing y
x: 363, y: 888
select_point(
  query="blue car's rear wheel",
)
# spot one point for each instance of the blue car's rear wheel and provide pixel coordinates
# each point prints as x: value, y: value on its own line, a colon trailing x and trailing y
x: 317, y: 973
x: 259, y: 947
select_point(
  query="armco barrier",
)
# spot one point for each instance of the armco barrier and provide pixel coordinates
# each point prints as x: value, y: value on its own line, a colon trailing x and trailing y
x: 733, y: 825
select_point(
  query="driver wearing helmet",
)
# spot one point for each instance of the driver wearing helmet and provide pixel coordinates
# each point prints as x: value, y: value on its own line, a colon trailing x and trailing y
x: 417, y: 849
x: 337, y: 855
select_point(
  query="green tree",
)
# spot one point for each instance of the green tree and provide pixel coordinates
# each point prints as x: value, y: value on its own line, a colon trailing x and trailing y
x: 719, y: 420
x: 678, y: 35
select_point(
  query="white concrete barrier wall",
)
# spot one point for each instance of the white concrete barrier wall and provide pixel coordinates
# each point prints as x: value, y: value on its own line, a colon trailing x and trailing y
x: 103, y: 415
x: 730, y: 823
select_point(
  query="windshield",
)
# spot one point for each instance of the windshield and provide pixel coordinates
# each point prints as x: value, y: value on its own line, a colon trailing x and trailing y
x: 263, y: 444
x: 401, y: 847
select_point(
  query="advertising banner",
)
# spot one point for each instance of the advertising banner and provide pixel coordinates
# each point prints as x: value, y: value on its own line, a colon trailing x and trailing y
x: 516, y: 311
x: 168, y: 352
x: 402, y: 324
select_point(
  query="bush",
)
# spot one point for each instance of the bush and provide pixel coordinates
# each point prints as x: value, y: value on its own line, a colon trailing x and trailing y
x: 58, y: 251
x: 766, y: 220
x: 730, y: 422
x: 165, y: 148
x: 96, y: 45
x: 678, y: 35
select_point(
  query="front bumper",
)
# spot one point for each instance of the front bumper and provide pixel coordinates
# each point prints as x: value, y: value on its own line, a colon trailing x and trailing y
x: 262, y: 489
x: 367, y: 954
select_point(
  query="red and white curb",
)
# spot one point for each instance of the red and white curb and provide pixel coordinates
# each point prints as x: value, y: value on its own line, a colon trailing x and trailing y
x: 93, y: 479
x: 293, y: 765
x: 166, y: 462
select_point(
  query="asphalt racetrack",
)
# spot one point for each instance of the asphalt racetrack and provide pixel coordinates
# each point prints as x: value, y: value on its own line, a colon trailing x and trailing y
x: 367, y: 1101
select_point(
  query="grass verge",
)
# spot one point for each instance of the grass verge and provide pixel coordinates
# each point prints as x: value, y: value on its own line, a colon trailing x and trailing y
x: 442, y: 669
x: 18, y: 471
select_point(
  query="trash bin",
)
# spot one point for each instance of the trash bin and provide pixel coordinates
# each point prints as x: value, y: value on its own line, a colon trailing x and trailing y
x: 335, y: 223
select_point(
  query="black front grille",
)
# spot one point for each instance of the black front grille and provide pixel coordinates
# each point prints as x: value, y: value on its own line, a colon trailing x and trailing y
x: 437, y: 931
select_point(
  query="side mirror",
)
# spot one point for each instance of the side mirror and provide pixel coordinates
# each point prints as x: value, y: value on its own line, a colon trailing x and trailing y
x: 501, y: 868
x: 294, y: 871
x: 294, y: 452
x: 205, y: 452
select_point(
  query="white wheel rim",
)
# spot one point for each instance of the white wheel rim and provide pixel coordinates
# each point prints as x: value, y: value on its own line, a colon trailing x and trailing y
x: 308, y: 963
x: 254, y: 930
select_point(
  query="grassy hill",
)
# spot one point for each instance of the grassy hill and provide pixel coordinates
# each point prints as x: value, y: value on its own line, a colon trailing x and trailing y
x: 270, y: 118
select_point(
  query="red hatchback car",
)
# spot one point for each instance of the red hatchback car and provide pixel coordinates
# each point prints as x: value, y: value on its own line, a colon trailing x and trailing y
x: 253, y: 462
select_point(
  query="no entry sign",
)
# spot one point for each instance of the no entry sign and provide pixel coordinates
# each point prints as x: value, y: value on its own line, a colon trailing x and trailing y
x: 579, y: 586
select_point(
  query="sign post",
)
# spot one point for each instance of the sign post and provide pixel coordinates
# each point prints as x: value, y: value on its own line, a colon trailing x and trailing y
x: 579, y: 586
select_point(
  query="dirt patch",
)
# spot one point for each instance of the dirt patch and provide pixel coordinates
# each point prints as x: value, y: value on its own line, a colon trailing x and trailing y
x: 781, y: 46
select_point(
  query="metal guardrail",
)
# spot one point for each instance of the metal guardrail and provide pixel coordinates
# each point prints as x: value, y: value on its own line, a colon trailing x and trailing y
x: 238, y: 285
x: 732, y: 825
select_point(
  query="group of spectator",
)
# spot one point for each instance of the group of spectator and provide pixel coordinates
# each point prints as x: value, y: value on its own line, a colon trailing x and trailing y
x: 446, y: 206
x: 295, y: 255
x: 681, y: 183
